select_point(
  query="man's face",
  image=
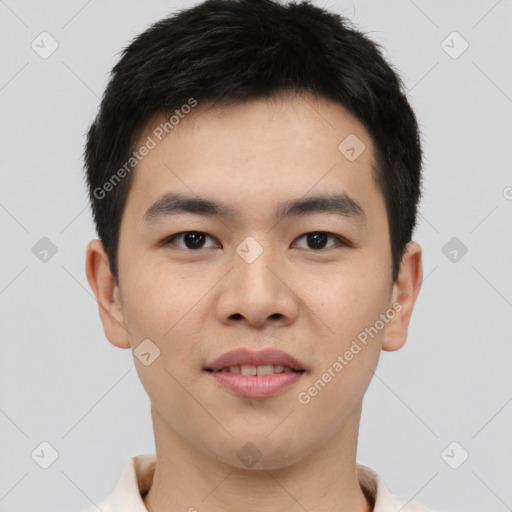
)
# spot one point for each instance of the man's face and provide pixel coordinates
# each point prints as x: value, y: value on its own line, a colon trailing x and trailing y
x: 255, y: 280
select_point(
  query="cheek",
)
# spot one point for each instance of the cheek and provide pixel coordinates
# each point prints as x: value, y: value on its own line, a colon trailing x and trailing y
x: 160, y: 308
x: 154, y: 299
x: 348, y: 350
x: 347, y: 304
x: 165, y: 307
x: 349, y: 307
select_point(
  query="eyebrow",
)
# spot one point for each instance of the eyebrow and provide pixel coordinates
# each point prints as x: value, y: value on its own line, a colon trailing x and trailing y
x: 337, y: 203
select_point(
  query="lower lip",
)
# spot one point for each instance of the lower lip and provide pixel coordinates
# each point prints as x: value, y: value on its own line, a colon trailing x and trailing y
x: 256, y: 386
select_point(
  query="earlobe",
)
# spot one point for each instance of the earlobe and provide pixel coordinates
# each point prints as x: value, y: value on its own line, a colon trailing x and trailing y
x: 107, y: 294
x: 405, y: 291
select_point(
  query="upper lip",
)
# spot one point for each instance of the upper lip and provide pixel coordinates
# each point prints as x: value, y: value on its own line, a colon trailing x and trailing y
x: 245, y: 356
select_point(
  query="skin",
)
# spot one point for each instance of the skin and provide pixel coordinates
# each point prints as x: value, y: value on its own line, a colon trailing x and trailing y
x: 196, y: 304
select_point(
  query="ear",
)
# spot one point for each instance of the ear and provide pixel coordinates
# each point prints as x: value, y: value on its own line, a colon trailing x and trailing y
x: 107, y: 294
x: 405, y: 291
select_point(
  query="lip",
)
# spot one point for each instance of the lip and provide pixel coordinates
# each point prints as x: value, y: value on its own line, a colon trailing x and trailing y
x: 249, y: 357
x: 256, y: 386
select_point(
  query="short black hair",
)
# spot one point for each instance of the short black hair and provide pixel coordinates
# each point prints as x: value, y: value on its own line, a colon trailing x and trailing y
x: 231, y: 51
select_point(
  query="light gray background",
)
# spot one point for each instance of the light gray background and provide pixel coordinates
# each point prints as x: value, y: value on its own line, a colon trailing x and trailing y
x: 63, y: 383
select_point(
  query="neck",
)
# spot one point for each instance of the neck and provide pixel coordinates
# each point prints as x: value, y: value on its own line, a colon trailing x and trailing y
x: 188, y: 479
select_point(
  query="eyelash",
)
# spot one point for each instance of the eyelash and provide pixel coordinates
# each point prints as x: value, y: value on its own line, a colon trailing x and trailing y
x: 341, y: 242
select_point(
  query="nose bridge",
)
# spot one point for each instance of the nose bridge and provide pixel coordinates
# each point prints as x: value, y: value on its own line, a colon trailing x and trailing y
x: 254, y: 289
x: 255, y: 258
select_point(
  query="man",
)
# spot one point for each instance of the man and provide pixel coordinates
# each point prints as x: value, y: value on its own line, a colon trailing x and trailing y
x: 254, y: 173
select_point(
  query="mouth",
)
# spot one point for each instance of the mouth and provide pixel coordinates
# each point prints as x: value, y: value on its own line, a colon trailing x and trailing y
x: 247, y: 370
x: 255, y: 374
x: 249, y: 362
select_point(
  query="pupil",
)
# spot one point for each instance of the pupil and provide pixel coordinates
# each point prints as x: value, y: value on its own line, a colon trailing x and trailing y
x: 314, y: 240
x: 194, y: 239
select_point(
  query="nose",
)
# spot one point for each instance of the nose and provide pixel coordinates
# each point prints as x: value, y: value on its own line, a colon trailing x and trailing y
x: 258, y: 291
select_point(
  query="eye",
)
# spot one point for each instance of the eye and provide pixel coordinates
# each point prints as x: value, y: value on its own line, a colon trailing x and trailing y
x: 318, y: 240
x: 193, y: 240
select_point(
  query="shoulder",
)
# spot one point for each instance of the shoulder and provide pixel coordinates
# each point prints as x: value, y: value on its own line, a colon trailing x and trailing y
x: 136, y: 477
x: 384, y: 501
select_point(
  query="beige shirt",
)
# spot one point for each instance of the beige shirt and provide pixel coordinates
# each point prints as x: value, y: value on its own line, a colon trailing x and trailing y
x: 137, y: 477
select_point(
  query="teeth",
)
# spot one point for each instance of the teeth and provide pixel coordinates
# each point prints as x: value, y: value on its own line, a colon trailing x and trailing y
x: 251, y: 370
x: 246, y: 370
x: 267, y: 369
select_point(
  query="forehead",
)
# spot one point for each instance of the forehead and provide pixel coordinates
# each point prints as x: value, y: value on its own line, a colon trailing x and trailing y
x: 263, y: 150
